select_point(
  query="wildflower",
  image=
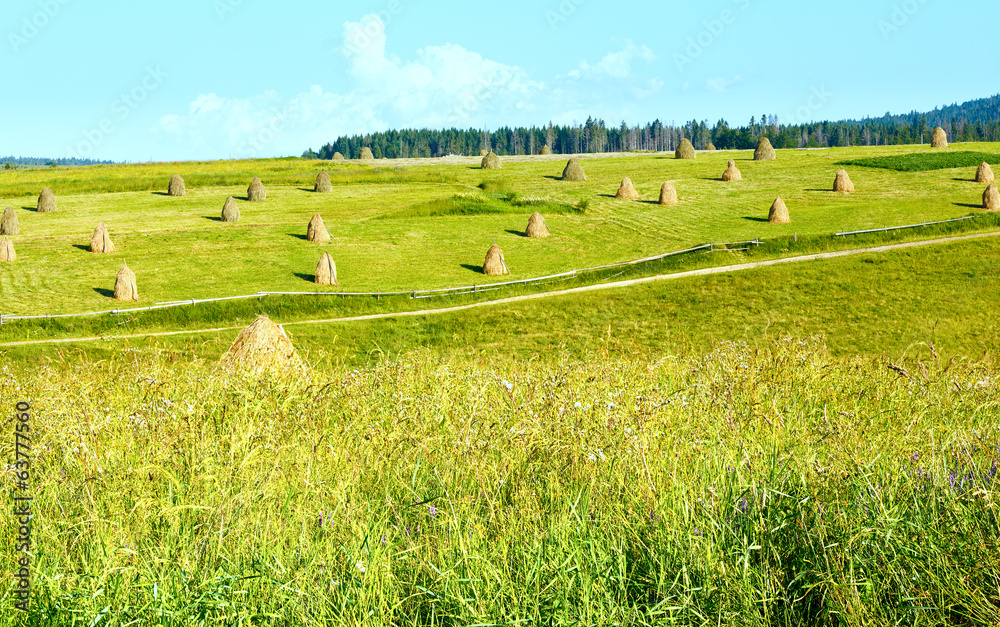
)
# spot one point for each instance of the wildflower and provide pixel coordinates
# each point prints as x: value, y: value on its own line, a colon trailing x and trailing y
x: 432, y: 510
x: 507, y: 384
x: 743, y: 505
x: 361, y: 567
x: 915, y: 457
x: 578, y: 404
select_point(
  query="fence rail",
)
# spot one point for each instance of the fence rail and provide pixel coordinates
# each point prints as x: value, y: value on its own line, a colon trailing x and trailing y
x: 908, y: 226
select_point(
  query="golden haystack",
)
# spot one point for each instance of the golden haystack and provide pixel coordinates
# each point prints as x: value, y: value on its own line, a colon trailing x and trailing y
x: 491, y: 162
x: 367, y: 154
x: 626, y: 190
x: 323, y: 184
x: 991, y: 198
x: 317, y: 231
x: 732, y: 173
x: 7, y: 250
x: 494, y: 264
x: 779, y: 213
x: 46, y: 201
x: 8, y: 223
x: 230, y: 210
x: 545, y: 150
x: 337, y: 156
x: 668, y: 194
x: 710, y: 146
x: 574, y: 171
x: 326, y: 271
x: 536, y: 226
x: 100, y: 241
x: 939, y: 139
x: 764, y: 151
x: 483, y: 152
x: 843, y: 183
x: 984, y: 174
x: 125, y: 287
x: 176, y: 186
x: 256, y: 191
x: 685, y: 150
x: 261, y: 346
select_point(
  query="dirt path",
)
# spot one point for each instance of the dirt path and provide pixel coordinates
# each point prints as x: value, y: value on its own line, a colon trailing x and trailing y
x: 516, y: 299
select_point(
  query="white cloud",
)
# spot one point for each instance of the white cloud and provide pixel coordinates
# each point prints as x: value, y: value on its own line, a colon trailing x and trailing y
x: 614, y: 64
x: 721, y: 85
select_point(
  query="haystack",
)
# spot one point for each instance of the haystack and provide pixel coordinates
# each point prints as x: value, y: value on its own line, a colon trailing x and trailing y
x: 256, y: 191
x: 668, y: 194
x: 46, y: 201
x: 939, y: 139
x: 261, y: 346
x: 495, y: 265
x: 337, y: 156
x: 779, y: 213
x: 764, y: 151
x: 545, y: 150
x: 100, y: 241
x: 984, y: 174
x: 626, y: 190
x: 125, y: 288
x: 574, y: 171
x: 843, y: 182
x: 230, y: 211
x: 326, y: 271
x: 323, y: 184
x: 991, y: 198
x: 685, y: 150
x: 176, y: 186
x: 491, y: 162
x: 732, y: 173
x: 317, y: 231
x: 536, y: 226
x: 710, y: 147
x: 7, y: 250
x: 367, y: 154
x: 8, y: 223
x: 483, y: 152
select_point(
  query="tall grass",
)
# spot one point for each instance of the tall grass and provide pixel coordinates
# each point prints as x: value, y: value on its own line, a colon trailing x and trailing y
x: 926, y: 161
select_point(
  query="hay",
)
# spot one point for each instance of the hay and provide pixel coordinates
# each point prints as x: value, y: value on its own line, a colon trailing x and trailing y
x: 668, y: 194
x: 626, y: 190
x: 574, y: 171
x: 8, y: 223
x: 323, y: 184
x: 685, y: 150
x: 710, y: 147
x: 483, y: 152
x: 939, y: 139
x: 230, y: 211
x: 843, y: 183
x: 491, y: 162
x: 545, y: 150
x: 991, y: 198
x: 100, y: 241
x: 125, y: 287
x: 261, y: 346
x: 46, y: 201
x: 256, y: 191
x: 764, y: 151
x: 176, y: 186
x: 317, y: 231
x: 367, y: 154
x: 537, y: 226
x: 337, y: 156
x: 779, y: 213
x: 495, y: 264
x: 7, y: 250
x: 326, y: 271
x: 732, y: 173
x: 984, y: 174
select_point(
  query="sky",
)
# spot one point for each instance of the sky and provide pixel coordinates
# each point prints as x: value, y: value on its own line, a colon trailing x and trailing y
x: 124, y: 80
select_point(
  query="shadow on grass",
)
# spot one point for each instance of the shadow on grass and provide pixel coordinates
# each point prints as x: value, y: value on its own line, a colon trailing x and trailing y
x: 83, y: 247
x: 515, y: 232
x: 306, y: 277
x: 965, y: 204
x: 105, y: 292
x: 965, y: 180
x: 304, y: 238
x: 554, y: 178
x: 754, y: 219
x: 35, y: 208
x: 473, y: 268
x: 213, y: 218
x: 717, y: 179
x: 160, y: 193
x: 813, y: 189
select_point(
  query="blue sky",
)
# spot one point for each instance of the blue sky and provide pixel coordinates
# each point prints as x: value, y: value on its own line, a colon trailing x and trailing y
x: 214, y: 79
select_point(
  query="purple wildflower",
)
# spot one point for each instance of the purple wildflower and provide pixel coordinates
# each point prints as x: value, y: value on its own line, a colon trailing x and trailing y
x: 743, y: 505
x: 432, y: 510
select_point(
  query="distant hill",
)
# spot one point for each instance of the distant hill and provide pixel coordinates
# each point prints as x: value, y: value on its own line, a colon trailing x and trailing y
x: 41, y: 161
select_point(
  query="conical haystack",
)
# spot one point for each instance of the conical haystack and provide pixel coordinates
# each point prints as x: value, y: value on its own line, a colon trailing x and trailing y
x: 843, y: 183
x: 230, y: 210
x: 326, y: 271
x: 256, y: 191
x: 261, y: 346
x: 323, y: 184
x: 939, y: 139
x: 764, y: 151
x: 984, y: 174
x: 337, y: 156
x: 176, y: 186
x: 626, y: 190
x: 574, y: 171
x: 536, y: 226
x: 125, y: 287
x: 685, y: 150
x: 483, y: 152
x: 491, y: 162
x: 8, y: 223
x: 991, y: 198
x: 668, y: 194
x: 46, y: 201
x: 545, y: 150
x: 710, y: 147
x: 495, y: 264
x: 100, y: 241
x: 317, y: 231
x: 367, y: 154
x: 779, y: 213
x: 7, y: 250
x: 732, y: 173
